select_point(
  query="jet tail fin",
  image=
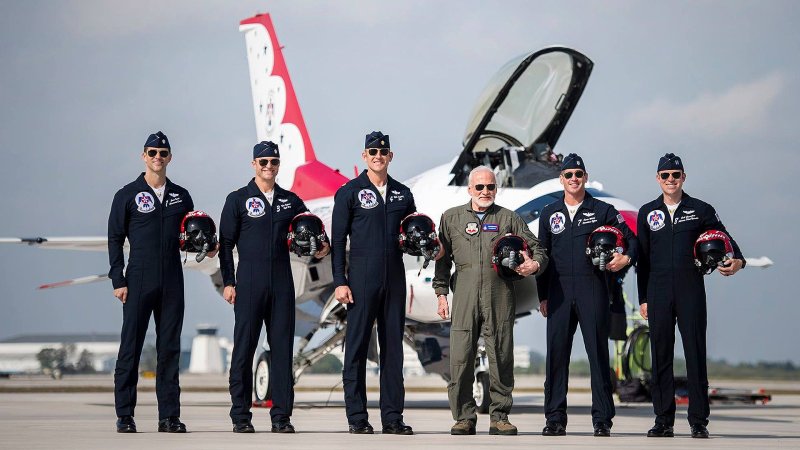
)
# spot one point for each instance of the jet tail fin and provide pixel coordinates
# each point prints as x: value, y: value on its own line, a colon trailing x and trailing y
x: 278, y: 116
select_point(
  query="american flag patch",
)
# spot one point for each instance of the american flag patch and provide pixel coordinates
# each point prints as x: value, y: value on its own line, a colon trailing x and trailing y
x: 620, y: 219
x: 491, y: 227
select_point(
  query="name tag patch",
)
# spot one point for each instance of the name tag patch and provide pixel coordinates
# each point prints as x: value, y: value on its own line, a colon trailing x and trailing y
x: 396, y: 196
x: 173, y: 201
x: 491, y: 227
x: 687, y: 216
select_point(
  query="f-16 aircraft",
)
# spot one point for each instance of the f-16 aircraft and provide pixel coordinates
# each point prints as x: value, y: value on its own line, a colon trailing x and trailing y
x: 513, y: 129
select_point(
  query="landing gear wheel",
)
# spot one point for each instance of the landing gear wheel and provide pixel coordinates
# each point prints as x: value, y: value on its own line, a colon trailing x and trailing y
x: 636, y: 362
x: 480, y: 392
x: 261, y: 385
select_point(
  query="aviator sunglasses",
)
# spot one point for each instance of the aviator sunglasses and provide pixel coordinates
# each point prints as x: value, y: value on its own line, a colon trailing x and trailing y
x: 490, y: 187
x: 264, y: 162
x: 675, y: 175
x: 374, y: 151
x: 578, y: 174
x: 161, y: 153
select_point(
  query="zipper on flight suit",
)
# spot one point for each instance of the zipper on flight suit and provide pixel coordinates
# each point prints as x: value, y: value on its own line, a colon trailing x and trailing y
x: 572, y: 246
x: 480, y: 252
x: 161, y: 209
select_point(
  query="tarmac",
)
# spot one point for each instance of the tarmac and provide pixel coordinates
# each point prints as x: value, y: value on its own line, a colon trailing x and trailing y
x: 78, y: 412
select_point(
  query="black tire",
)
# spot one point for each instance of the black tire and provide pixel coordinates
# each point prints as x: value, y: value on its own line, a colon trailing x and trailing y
x: 636, y: 362
x: 480, y: 392
x: 262, y: 388
x: 614, y: 381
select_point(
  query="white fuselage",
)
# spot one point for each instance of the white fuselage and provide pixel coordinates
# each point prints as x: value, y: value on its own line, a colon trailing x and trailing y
x: 433, y: 195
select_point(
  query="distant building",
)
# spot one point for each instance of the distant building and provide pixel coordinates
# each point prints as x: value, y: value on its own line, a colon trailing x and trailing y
x: 18, y: 354
x: 209, y: 354
x: 522, y: 356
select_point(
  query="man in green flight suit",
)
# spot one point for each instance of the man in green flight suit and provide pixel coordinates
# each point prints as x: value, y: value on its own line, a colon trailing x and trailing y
x: 483, y: 303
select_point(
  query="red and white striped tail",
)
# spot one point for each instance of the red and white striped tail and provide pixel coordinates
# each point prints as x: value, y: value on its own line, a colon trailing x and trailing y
x: 278, y: 115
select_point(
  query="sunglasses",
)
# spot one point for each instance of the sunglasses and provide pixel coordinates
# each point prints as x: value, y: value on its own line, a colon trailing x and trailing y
x: 161, y: 153
x: 374, y: 151
x: 265, y: 161
x: 578, y: 174
x: 675, y: 175
x: 490, y: 187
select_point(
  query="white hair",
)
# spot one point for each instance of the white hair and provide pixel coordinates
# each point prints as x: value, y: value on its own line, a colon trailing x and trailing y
x: 480, y: 169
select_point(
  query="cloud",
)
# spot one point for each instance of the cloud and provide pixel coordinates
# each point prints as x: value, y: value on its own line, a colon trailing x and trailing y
x: 741, y: 110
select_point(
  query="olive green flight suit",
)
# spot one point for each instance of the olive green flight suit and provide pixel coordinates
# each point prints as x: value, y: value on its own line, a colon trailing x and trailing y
x: 482, y: 305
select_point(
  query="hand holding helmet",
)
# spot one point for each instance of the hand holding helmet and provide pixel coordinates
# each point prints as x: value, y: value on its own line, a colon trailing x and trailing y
x: 711, y: 250
x: 507, y: 256
x: 602, y: 244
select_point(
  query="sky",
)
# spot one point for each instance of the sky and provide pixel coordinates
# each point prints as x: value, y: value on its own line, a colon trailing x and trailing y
x: 82, y: 84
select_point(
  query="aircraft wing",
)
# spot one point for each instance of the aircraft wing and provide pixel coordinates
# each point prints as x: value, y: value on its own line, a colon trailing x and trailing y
x: 85, y: 243
x: 209, y: 266
x: 75, y: 281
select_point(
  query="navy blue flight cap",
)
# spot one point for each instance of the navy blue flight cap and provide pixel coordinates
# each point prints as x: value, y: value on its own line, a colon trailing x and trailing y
x: 669, y: 162
x: 376, y: 139
x: 573, y: 161
x: 266, y: 149
x: 157, y: 140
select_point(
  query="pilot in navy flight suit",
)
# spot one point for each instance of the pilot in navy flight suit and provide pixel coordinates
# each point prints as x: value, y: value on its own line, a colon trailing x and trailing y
x: 255, y: 220
x: 574, y: 292
x: 369, y: 209
x: 148, y: 212
x: 671, y: 290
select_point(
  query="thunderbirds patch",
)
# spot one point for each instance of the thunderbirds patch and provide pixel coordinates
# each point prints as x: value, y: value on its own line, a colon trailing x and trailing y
x: 255, y: 207
x: 145, y: 203
x: 557, y: 223
x: 367, y: 199
x: 656, y: 219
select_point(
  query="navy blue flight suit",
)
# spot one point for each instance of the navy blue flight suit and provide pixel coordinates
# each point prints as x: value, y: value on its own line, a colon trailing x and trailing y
x: 674, y: 291
x: 264, y: 292
x: 154, y: 278
x: 577, y: 292
x: 376, y: 277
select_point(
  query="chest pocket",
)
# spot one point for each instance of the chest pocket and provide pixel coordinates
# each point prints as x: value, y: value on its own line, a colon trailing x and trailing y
x: 396, y: 208
x: 283, y: 210
x: 686, y: 221
x: 174, y: 208
x: 585, y: 222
